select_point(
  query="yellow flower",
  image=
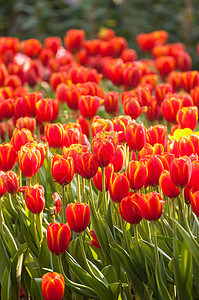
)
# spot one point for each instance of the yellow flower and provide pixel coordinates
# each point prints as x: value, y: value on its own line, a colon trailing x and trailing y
x: 178, y: 133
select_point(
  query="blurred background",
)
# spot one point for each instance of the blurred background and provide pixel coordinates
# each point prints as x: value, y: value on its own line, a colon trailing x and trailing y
x: 41, y: 18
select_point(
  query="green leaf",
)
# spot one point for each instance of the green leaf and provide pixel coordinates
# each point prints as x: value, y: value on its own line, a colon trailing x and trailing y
x: 6, y: 285
x: 16, y: 269
x: 101, y: 289
x: 190, y: 244
x: 110, y: 274
x: 36, y: 293
x: 4, y: 259
x: 128, y: 266
x: 44, y: 254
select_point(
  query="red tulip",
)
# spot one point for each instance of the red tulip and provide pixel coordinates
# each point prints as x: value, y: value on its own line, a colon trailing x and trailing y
x: 180, y: 170
x: 2, y: 185
x: 161, y: 91
x: 111, y: 102
x: 53, y: 286
x: 194, y: 200
x: 62, y: 169
x: 78, y: 216
x: 129, y: 209
x: 87, y: 164
x: 120, y: 124
x: 155, y: 168
x: 135, y: 136
x: 94, y: 242
x: 44, y: 110
x: 74, y: 39
x: 170, y: 107
x: 34, y: 198
x: 58, y: 237
x: 53, y: 43
x: 194, y: 182
x: 99, y: 124
x: 97, y: 179
x: 104, y: 146
x: 88, y: 105
x: 118, y: 187
x: 73, y: 151
x: 8, y: 156
x: 31, y: 47
x: 54, y: 134
x: 187, y: 117
x: 169, y: 189
x: 137, y: 174
x: 157, y: 134
x: 26, y: 122
x: 10, y: 180
x: 151, y: 206
x: 189, y: 80
x: 119, y: 158
x: 29, y: 160
x: 20, y: 138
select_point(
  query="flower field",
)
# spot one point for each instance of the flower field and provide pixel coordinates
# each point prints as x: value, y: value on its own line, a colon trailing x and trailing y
x: 99, y: 190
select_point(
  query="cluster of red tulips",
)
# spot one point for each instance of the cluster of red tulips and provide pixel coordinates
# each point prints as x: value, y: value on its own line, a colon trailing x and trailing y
x: 94, y: 150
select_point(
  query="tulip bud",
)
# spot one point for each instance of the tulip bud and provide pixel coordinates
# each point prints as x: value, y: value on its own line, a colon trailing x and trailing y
x: 111, y: 102
x: 119, y: 157
x: 62, y: 169
x: 169, y: 189
x: 54, y: 135
x: 34, y: 198
x: 2, y: 185
x: 78, y: 216
x: 129, y: 209
x: 88, y: 105
x: 87, y: 164
x: 180, y: 170
x: 118, y: 187
x: 29, y: 160
x: 194, y: 200
x: 10, y: 180
x: 155, y: 167
x: 97, y: 179
x: 8, y: 156
x: 187, y: 117
x: 104, y: 146
x: 151, y: 206
x: 94, y: 242
x: 74, y: 39
x: 44, y: 110
x: 58, y: 237
x: 157, y: 134
x: 135, y: 136
x: 52, y: 286
x: 137, y: 174
x: 20, y: 138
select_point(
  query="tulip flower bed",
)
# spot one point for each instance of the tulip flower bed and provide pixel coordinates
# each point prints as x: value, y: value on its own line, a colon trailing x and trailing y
x: 99, y: 189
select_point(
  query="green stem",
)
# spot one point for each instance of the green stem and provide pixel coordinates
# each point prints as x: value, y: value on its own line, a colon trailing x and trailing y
x: 84, y: 256
x: 63, y: 204
x: 155, y: 244
x: 92, y: 203
x: 29, y: 181
x: 83, y: 189
x: 78, y: 189
x: 73, y: 285
x: 34, y: 219
x: 39, y: 226
x: 104, y: 191
x: 186, y: 220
